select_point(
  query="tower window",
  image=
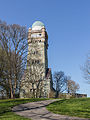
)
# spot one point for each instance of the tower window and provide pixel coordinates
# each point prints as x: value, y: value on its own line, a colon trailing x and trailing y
x: 30, y: 90
x: 36, y: 52
x: 37, y: 61
x: 32, y: 61
x: 39, y: 34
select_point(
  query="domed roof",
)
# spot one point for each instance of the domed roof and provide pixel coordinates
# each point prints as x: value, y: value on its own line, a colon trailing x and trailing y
x: 37, y: 25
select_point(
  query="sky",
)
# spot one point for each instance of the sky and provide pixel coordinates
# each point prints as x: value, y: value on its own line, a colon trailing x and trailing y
x: 68, y: 25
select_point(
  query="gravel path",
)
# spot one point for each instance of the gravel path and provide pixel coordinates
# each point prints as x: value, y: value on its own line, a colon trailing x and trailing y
x: 37, y: 111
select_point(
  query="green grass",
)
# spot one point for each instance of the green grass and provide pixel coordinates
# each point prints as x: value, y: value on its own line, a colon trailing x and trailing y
x: 6, y: 106
x: 73, y: 107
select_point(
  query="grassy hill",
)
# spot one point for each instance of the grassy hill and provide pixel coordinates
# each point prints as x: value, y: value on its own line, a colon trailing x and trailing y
x: 6, y: 105
x: 73, y: 107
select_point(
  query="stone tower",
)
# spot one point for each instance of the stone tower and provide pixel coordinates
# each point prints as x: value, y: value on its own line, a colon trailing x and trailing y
x: 36, y: 81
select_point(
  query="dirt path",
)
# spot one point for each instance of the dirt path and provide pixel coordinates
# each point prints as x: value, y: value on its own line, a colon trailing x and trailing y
x: 37, y: 111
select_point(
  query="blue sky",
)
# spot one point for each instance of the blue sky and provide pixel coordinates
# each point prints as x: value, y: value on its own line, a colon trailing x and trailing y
x: 68, y: 26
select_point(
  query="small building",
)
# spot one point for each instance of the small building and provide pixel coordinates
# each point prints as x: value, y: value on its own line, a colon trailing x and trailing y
x: 77, y: 95
x: 72, y: 95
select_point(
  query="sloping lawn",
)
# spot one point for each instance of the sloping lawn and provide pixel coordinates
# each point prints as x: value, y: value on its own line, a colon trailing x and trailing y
x: 79, y: 107
x: 6, y: 105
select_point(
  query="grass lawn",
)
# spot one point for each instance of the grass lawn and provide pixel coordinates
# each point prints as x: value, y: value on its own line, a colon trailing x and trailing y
x: 79, y: 107
x: 6, y: 105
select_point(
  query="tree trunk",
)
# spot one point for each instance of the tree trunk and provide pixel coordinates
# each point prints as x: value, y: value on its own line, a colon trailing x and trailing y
x: 57, y: 94
x: 11, y: 91
x: 15, y: 84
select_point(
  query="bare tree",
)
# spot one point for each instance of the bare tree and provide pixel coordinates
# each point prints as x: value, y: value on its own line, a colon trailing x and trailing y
x: 72, y: 86
x: 86, y: 69
x: 4, y: 86
x: 13, y: 41
x: 60, y: 81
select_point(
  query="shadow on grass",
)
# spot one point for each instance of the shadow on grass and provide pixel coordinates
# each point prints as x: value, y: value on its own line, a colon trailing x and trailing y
x: 7, y: 105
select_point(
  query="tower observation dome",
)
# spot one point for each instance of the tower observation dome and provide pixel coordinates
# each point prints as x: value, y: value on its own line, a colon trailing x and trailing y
x: 37, y: 25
